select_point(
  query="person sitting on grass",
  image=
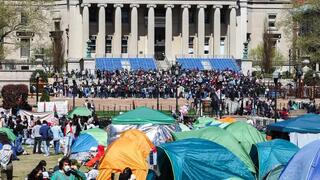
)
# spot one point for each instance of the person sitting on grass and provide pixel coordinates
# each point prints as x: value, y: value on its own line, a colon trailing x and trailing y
x: 67, y: 171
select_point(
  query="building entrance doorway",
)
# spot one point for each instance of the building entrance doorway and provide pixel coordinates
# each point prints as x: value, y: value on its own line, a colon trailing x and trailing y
x: 159, y: 43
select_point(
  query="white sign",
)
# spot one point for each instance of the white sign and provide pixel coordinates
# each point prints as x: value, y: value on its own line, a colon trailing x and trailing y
x: 61, y: 107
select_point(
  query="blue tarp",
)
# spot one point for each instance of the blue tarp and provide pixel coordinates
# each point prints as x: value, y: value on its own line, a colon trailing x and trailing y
x: 112, y: 64
x: 218, y: 64
x: 198, y: 159
x: 83, y: 143
x: 305, y: 164
x: 272, y: 154
x: 308, y: 123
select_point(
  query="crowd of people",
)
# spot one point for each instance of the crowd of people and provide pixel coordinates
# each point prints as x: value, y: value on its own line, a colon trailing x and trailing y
x: 54, y: 137
x: 218, y: 87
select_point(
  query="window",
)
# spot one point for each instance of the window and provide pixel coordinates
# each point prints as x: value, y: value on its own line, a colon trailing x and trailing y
x: 25, y: 48
x: 109, y: 44
x: 206, y: 45
x: 191, y: 45
x: 207, y: 17
x: 124, y: 44
x: 272, y: 20
x: 191, y: 17
x: 92, y: 44
x: 222, y: 45
x: 223, y: 17
x: 57, y: 26
x: 125, y: 16
x: 24, y: 19
x: 109, y: 15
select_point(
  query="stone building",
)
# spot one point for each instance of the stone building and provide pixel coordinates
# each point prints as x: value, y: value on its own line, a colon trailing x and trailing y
x: 164, y: 30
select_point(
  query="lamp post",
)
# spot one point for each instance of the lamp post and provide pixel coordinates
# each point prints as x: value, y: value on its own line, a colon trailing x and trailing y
x: 200, y: 99
x: 220, y: 79
x: 37, y: 87
x: 314, y: 85
x: 177, y: 72
x: 74, y: 91
x: 275, y: 79
x: 158, y: 91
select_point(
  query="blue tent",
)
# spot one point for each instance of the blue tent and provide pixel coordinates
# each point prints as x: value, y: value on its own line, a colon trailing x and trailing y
x: 305, y: 164
x: 308, y: 123
x: 83, y: 143
x: 198, y: 159
x: 89, y: 138
x: 273, y: 155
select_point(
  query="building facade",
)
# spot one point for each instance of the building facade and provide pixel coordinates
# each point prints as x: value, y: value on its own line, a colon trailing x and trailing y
x: 163, y: 29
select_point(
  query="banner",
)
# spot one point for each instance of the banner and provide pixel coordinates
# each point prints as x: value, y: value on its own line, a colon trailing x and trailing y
x: 61, y: 107
x: 48, y: 116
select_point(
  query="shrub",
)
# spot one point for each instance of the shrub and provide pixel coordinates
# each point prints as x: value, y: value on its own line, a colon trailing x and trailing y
x: 310, y: 80
x: 15, y: 96
x: 42, y: 74
x: 45, y: 97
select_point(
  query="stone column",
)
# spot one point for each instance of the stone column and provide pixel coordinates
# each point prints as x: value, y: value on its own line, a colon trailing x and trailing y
x: 232, y: 31
x: 133, y: 51
x: 85, y: 28
x: 201, y: 29
x: 168, y: 34
x: 101, y: 38
x: 150, y: 51
x: 75, y: 33
x: 185, y: 29
x: 216, y: 30
x: 117, y: 31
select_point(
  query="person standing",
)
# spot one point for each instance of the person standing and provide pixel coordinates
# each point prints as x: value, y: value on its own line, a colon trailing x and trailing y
x: 69, y: 135
x: 44, y: 132
x: 57, y: 135
x: 37, y: 137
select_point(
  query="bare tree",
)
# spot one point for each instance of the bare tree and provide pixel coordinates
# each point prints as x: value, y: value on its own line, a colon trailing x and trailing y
x: 268, y: 51
x: 58, y: 50
x: 26, y: 16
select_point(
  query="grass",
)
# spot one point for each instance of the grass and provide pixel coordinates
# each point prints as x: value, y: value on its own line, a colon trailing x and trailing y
x: 27, y: 162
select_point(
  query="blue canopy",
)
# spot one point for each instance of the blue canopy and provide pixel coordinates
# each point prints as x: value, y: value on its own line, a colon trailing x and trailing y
x: 308, y: 123
x: 198, y: 159
x: 83, y: 143
x: 272, y: 154
x: 305, y: 164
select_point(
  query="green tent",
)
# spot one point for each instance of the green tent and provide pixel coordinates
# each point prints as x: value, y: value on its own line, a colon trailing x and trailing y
x: 199, y: 159
x: 9, y: 133
x: 273, y: 156
x: 219, y: 136
x: 202, y: 122
x: 99, y: 134
x: 88, y: 139
x: 80, y: 111
x: 246, y: 134
x: 143, y: 115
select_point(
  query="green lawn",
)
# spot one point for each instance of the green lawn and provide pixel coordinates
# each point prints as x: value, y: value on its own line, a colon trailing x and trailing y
x: 27, y: 162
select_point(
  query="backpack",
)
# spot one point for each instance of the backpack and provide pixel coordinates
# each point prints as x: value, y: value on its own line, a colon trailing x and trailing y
x: 50, y: 134
x: 5, y: 156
